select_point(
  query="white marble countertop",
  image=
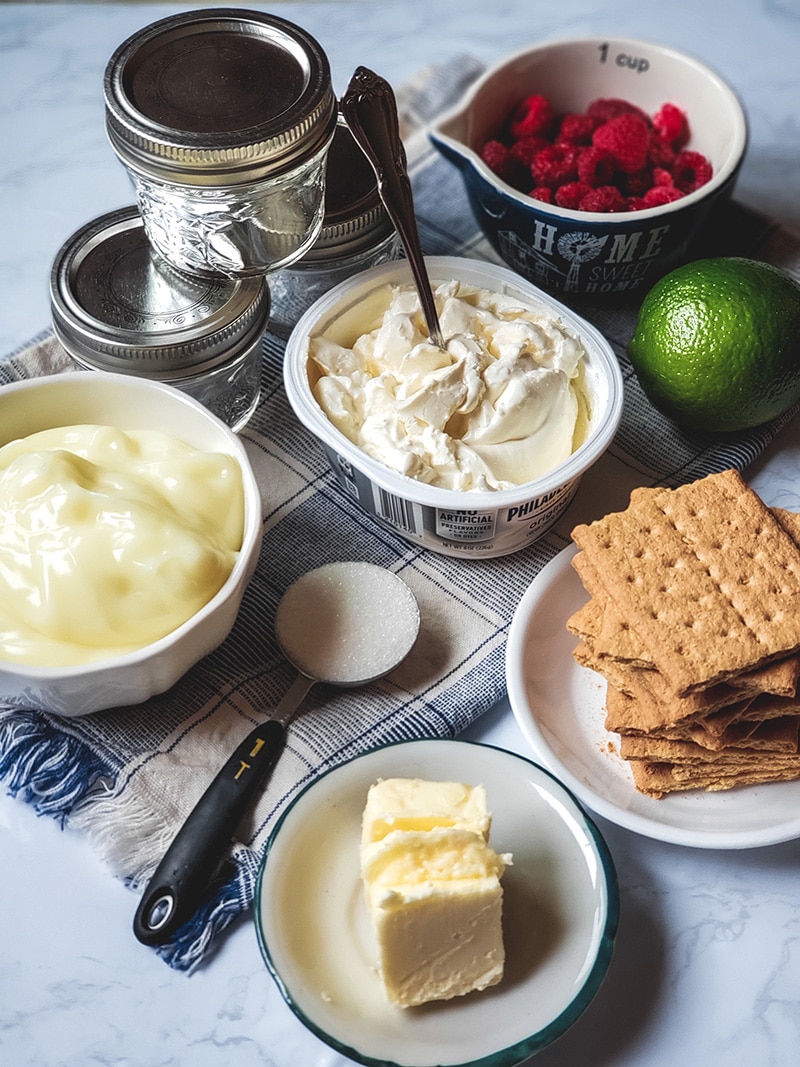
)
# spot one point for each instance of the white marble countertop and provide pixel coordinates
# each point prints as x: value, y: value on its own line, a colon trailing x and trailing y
x: 707, y: 962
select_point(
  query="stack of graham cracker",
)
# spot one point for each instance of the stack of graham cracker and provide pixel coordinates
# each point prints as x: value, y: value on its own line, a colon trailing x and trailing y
x: 694, y: 621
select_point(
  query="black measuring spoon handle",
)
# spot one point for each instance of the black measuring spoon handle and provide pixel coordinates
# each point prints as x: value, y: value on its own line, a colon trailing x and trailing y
x: 181, y: 879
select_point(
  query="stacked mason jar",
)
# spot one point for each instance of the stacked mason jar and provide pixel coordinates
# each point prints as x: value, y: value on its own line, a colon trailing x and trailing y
x: 252, y: 200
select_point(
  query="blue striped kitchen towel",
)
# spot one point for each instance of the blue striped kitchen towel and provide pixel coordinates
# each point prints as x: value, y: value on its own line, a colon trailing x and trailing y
x: 128, y: 777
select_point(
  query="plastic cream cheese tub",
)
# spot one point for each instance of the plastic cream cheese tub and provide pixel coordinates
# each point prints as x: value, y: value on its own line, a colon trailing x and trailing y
x: 454, y: 522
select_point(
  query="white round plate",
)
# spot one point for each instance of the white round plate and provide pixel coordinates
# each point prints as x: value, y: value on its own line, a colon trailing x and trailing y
x: 560, y: 708
x: 559, y: 916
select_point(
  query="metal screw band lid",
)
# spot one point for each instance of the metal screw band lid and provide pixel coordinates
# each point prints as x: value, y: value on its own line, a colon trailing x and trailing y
x: 355, y: 217
x: 218, y: 96
x: 117, y: 305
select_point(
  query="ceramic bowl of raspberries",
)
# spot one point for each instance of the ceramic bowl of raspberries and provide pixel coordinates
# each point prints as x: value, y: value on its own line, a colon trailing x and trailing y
x: 591, y: 163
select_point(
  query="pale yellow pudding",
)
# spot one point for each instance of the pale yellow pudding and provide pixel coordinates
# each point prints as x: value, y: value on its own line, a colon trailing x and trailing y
x: 109, y: 540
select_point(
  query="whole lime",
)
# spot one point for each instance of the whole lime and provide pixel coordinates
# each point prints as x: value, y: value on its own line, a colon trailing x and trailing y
x: 717, y: 344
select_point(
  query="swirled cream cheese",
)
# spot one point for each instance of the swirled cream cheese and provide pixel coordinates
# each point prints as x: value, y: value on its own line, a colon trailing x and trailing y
x: 499, y: 407
x: 109, y: 540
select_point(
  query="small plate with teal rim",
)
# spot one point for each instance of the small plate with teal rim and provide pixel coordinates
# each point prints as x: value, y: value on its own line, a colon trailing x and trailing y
x: 560, y: 912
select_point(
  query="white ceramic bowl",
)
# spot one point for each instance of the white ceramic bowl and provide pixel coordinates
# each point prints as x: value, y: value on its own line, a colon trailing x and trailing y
x: 591, y: 253
x: 560, y: 912
x: 451, y: 522
x: 129, y: 403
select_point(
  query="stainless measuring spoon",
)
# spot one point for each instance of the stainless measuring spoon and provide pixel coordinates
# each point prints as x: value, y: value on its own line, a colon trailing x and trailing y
x: 343, y: 623
x: 370, y: 110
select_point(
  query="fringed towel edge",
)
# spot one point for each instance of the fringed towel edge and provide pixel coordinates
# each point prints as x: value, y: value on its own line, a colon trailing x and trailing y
x: 122, y: 830
x: 193, y: 944
x: 52, y: 773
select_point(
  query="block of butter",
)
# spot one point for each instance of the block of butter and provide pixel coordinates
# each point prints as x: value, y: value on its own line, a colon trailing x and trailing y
x: 432, y: 886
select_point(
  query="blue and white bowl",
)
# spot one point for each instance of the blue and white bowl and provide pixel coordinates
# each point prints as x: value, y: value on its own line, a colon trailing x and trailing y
x: 594, y: 254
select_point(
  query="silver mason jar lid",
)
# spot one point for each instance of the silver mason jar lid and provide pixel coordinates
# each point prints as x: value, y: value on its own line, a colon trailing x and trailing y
x: 355, y: 218
x: 117, y: 305
x: 218, y: 96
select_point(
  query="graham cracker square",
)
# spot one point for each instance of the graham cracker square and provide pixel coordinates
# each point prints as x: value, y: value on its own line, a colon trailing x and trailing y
x: 705, y: 575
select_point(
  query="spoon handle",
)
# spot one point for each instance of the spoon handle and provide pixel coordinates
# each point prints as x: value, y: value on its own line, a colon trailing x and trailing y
x: 370, y: 109
x: 180, y: 881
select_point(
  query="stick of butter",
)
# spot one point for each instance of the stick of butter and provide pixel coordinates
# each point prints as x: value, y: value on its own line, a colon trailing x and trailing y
x: 432, y: 886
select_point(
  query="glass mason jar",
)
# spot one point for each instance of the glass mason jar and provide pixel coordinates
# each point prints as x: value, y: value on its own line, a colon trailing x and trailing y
x: 223, y: 118
x: 356, y: 233
x: 117, y: 305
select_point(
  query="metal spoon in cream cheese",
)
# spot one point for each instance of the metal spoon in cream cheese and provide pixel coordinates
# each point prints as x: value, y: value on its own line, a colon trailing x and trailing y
x: 346, y: 624
x: 370, y: 108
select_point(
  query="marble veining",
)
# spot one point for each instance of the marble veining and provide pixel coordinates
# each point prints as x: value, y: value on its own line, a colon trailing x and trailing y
x: 707, y: 963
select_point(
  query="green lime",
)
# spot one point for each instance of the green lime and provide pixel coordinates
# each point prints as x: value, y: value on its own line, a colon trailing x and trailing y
x: 717, y: 344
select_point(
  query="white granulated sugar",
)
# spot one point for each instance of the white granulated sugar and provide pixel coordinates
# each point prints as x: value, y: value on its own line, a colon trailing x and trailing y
x: 347, y: 623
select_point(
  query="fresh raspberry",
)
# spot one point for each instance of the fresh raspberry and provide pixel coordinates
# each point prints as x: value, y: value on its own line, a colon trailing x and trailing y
x: 524, y: 150
x: 596, y: 166
x: 543, y: 193
x: 662, y: 176
x: 660, y: 152
x: 613, y: 157
x: 532, y: 115
x: 661, y: 194
x: 520, y: 157
x: 555, y: 164
x: 497, y: 158
x: 570, y: 194
x: 691, y: 170
x: 636, y: 184
x: 671, y: 123
x: 626, y: 138
x: 577, y: 129
x: 603, y: 198
x: 608, y: 108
